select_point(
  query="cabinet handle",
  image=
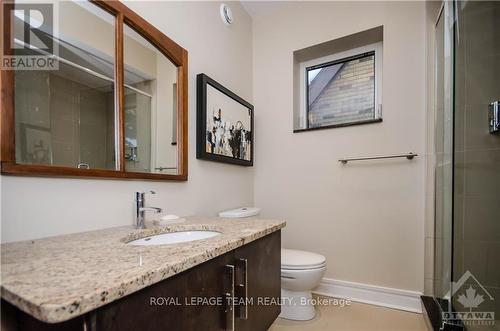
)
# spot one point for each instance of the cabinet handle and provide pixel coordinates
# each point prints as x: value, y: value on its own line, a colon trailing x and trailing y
x: 89, y: 321
x: 229, y: 296
x: 243, y: 290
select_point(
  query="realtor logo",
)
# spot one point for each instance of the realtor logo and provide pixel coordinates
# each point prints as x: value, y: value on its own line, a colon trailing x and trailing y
x: 471, y: 299
x: 31, y: 33
x: 470, y: 294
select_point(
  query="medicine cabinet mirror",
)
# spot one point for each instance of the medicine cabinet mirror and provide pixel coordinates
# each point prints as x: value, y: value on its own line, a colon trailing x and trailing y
x: 112, y: 103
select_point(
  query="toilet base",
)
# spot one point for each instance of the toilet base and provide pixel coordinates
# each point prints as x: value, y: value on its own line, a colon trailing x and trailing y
x: 297, y: 305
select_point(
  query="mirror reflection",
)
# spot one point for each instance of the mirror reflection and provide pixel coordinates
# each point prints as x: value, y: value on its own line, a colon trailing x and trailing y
x: 150, y: 107
x: 66, y: 117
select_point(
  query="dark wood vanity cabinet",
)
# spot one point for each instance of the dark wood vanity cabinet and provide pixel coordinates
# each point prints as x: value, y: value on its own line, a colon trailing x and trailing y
x: 167, y: 305
x: 264, y: 283
x: 198, y: 299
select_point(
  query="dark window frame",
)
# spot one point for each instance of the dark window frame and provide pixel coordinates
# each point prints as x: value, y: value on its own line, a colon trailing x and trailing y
x: 331, y: 63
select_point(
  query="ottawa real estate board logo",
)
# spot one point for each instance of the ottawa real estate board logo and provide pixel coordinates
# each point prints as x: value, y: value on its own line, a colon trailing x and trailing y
x: 30, y: 32
x: 472, y: 298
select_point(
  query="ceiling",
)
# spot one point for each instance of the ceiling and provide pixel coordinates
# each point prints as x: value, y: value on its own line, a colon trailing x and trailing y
x: 262, y: 8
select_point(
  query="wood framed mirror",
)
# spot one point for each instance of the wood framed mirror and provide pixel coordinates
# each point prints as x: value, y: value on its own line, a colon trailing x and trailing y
x: 109, y: 101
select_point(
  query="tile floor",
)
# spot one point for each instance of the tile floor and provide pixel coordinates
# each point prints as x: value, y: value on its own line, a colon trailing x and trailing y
x: 356, y: 317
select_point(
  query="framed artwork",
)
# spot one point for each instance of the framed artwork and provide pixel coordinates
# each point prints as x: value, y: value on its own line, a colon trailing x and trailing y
x: 224, y: 124
x: 35, y: 144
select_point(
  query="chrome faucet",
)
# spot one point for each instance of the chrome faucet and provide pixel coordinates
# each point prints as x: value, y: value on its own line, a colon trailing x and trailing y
x: 140, y: 209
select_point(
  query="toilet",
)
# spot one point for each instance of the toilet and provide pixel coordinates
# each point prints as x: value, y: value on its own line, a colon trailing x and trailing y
x: 301, y: 271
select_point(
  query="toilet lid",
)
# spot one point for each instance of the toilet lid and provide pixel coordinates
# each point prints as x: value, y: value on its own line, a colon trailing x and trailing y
x: 295, y: 259
x: 242, y: 212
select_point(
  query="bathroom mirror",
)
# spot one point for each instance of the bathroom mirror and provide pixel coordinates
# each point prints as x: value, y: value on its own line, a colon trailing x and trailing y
x: 110, y: 100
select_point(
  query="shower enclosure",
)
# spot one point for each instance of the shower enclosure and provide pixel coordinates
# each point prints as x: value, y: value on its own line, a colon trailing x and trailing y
x: 467, y: 166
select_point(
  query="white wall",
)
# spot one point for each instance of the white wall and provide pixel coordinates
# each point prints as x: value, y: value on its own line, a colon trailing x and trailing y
x: 38, y: 207
x: 367, y: 218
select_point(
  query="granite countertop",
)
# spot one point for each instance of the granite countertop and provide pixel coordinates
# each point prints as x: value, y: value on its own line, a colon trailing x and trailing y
x: 58, y: 278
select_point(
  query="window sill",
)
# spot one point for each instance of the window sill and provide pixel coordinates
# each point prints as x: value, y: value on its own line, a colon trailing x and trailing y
x: 378, y: 120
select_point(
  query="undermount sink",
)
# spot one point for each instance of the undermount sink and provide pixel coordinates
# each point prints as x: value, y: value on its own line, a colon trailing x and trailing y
x: 174, y: 238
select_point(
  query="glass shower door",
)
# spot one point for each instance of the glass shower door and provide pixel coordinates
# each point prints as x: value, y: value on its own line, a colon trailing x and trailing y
x: 467, y: 151
x: 476, y: 223
x: 444, y: 156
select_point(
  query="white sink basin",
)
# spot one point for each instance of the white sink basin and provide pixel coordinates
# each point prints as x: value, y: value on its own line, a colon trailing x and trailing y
x: 174, y: 238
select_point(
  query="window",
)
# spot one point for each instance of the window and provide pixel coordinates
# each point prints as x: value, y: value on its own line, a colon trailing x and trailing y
x: 341, y: 89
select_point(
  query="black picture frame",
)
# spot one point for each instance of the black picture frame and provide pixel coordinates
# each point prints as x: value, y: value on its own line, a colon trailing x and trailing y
x: 202, y: 81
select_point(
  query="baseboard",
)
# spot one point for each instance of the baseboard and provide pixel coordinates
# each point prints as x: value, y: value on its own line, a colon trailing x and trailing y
x: 370, y: 294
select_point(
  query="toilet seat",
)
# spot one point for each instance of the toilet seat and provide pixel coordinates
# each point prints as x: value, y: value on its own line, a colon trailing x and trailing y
x: 292, y: 259
x: 299, y: 268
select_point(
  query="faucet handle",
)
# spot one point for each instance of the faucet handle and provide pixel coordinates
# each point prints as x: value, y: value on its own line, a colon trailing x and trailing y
x: 151, y: 192
x: 140, y: 195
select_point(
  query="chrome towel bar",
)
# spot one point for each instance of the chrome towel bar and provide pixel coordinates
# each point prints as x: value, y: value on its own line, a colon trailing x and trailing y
x: 409, y: 156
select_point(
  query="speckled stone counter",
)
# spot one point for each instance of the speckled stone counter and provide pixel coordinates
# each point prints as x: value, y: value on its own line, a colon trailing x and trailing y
x: 58, y: 278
